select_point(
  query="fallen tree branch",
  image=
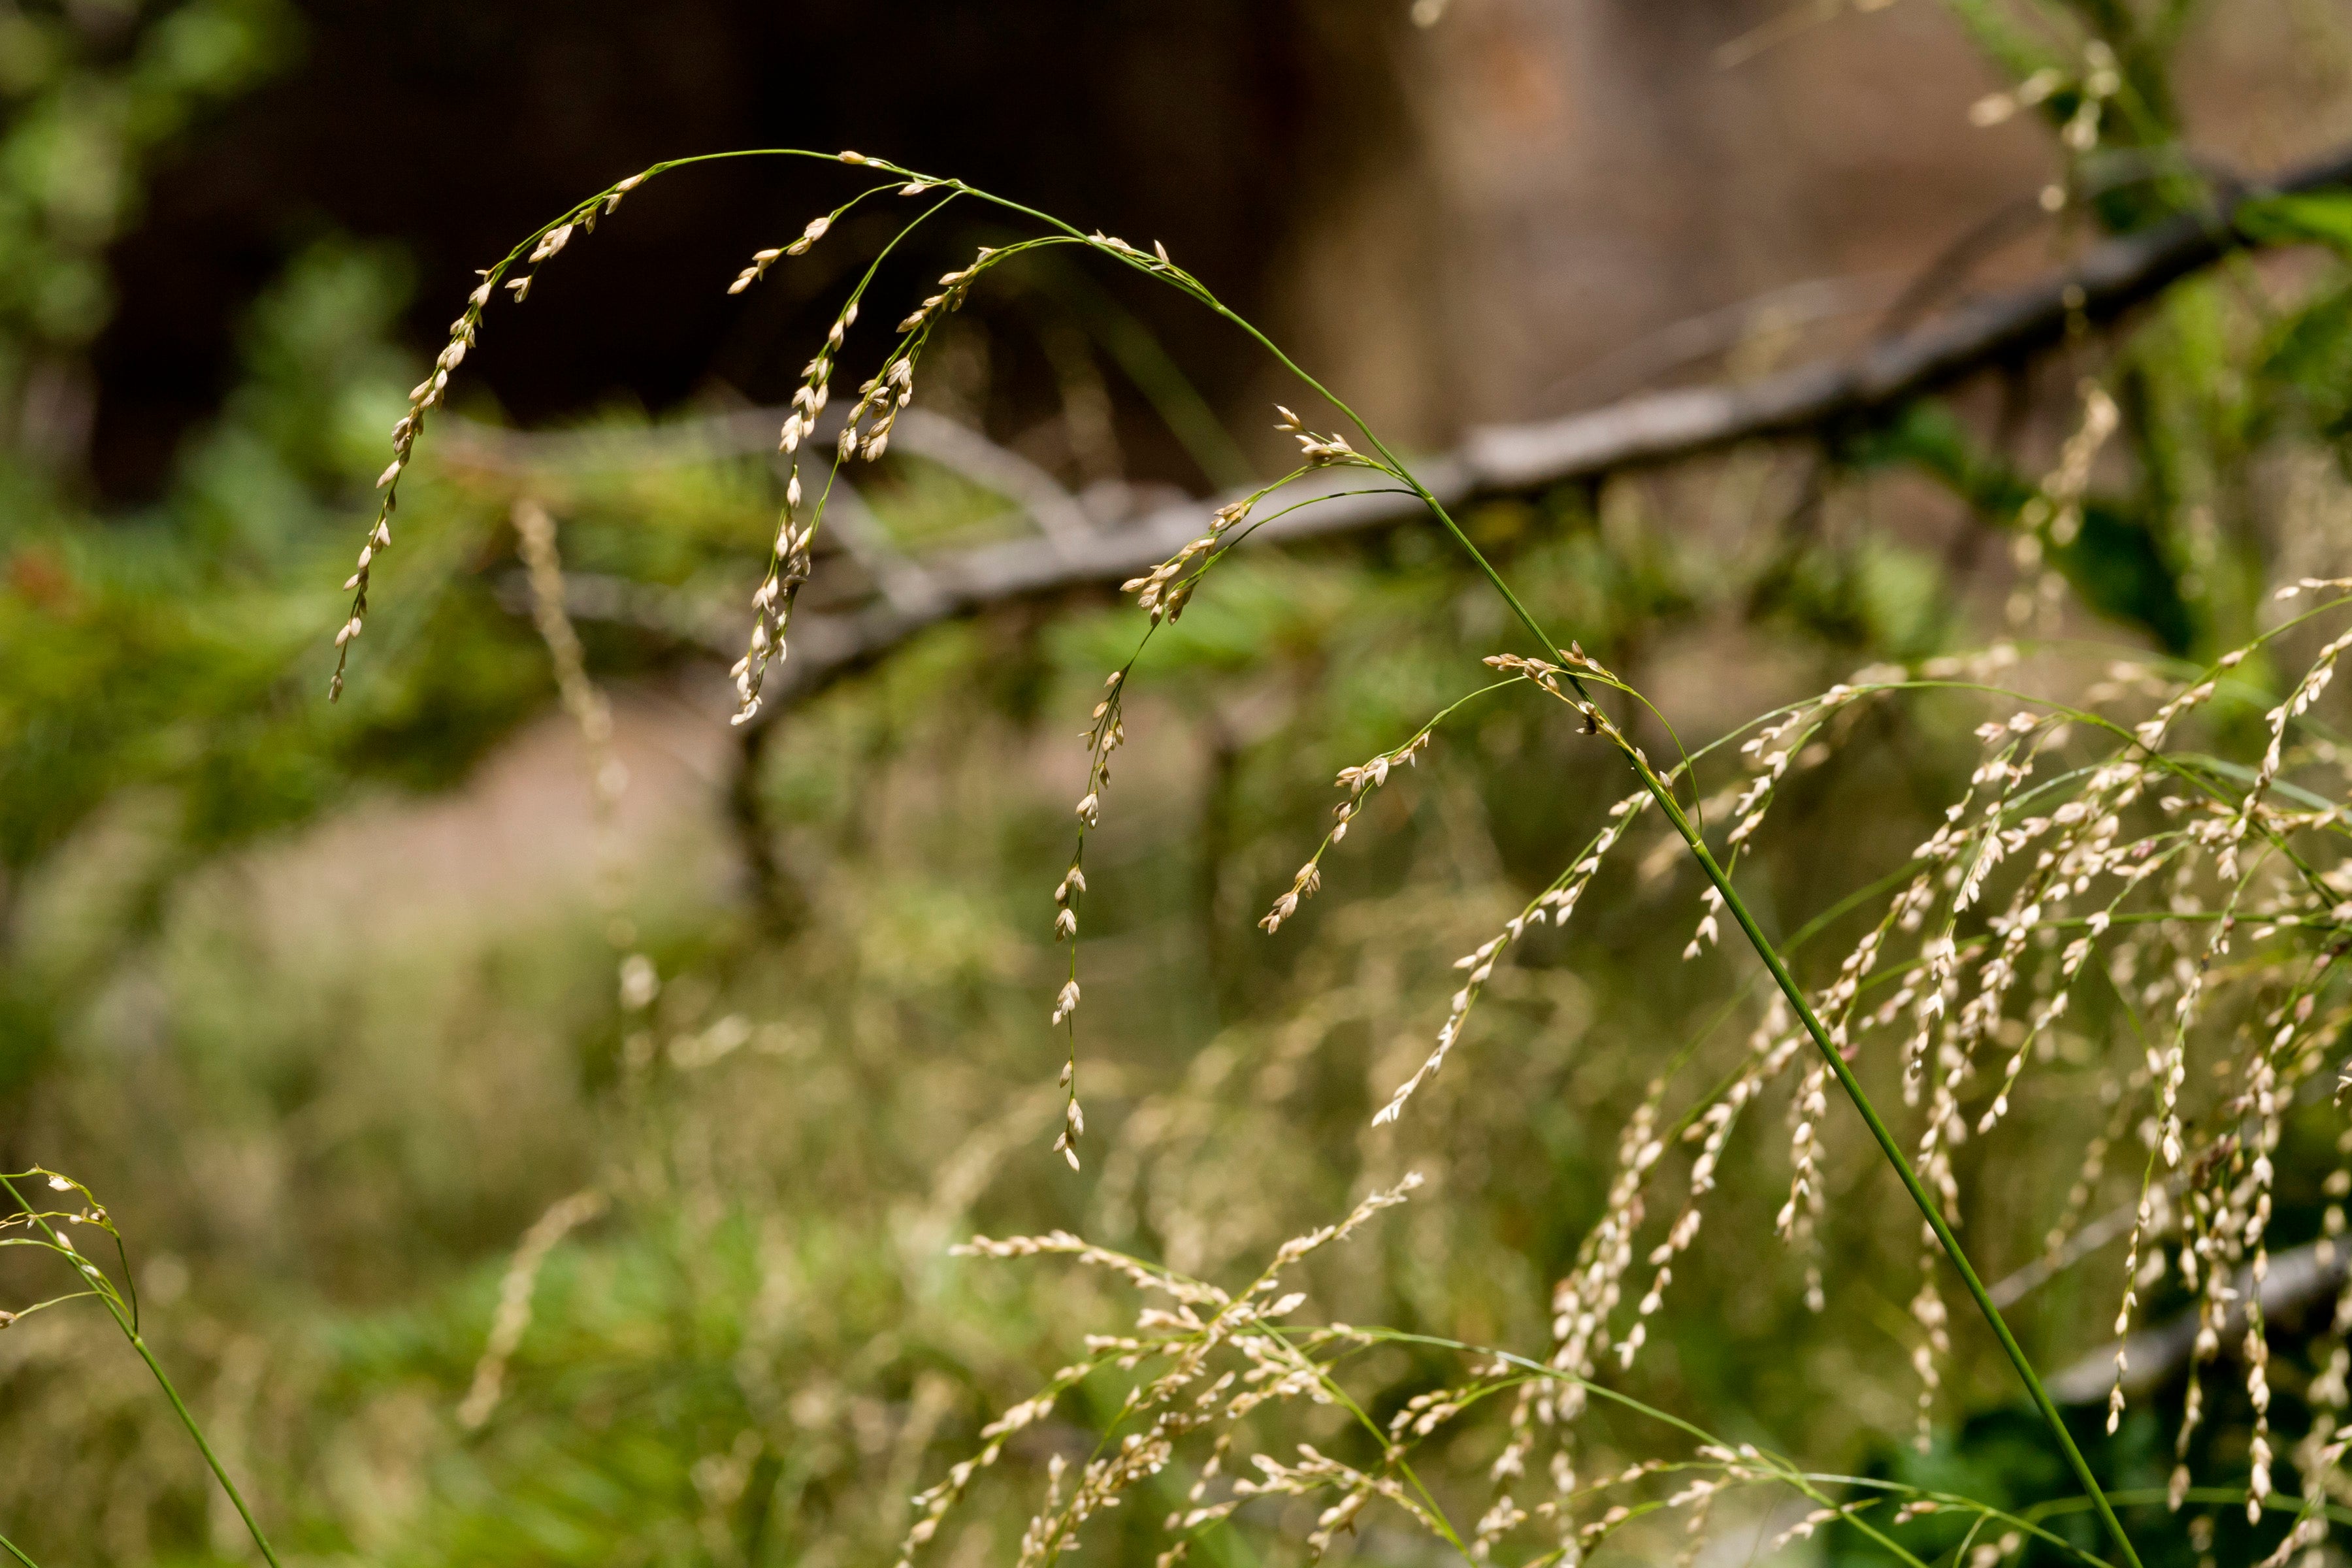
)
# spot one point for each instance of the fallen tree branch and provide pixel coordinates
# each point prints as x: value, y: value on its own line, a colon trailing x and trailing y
x: 1069, y: 555
x: 1643, y: 431
x: 1655, y: 428
x: 2294, y: 1279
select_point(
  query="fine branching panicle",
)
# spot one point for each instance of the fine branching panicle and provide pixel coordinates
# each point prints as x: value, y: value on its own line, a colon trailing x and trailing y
x: 2105, y: 856
x: 1998, y: 894
x: 51, y: 1231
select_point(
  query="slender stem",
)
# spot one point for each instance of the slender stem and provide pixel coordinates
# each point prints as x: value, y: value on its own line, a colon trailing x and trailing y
x: 179, y: 1406
x: 219, y: 1474
x: 1911, y: 1183
x: 16, y: 1552
x: 1739, y: 911
x: 1829, y: 1053
x: 1651, y: 781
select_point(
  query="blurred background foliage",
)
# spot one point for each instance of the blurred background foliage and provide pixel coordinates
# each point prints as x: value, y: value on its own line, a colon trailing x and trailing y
x: 323, y: 1001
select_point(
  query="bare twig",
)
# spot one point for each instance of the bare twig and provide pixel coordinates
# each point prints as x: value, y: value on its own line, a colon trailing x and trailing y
x: 902, y: 580
x: 994, y: 468
x: 1661, y: 427
x: 2016, y: 1287
x: 2107, y: 280
x: 1655, y: 428
x: 1710, y: 333
x: 2293, y: 1280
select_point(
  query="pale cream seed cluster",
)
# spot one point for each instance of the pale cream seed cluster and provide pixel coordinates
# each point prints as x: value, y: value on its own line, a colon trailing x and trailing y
x: 428, y: 395
x: 1166, y: 589
x: 1215, y: 1358
x: 2134, y: 866
x: 2095, y: 85
x: 1105, y: 733
x: 2053, y: 519
x: 1360, y: 782
x: 2047, y: 843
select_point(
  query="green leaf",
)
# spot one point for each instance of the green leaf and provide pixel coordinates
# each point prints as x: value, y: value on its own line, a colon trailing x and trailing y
x: 2315, y: 217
